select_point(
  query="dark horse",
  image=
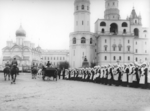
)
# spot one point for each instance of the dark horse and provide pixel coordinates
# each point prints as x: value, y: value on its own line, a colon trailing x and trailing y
x: 14, y: 71
x: 6, y: 73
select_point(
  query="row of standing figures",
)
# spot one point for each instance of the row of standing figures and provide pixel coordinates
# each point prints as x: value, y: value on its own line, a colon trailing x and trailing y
x: 132, y: 77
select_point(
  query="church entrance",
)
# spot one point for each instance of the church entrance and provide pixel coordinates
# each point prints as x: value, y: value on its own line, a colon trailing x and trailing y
x: 114, y: 28
x: 136, y: 32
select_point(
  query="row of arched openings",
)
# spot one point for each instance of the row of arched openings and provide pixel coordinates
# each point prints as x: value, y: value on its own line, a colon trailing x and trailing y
x: 82, y: 7
x: 114, y: 29
x: 124, y: 24
x: 103, y: 31
x: 83, y: 40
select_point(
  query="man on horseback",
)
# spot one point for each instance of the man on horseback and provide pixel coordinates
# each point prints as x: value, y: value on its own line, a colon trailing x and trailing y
x: 14, y: 62
x: 7, y: 71
x: 14, y: 70
x: 7, y: 65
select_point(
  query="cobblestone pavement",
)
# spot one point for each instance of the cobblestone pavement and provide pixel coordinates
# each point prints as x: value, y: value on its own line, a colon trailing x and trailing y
x: 63, y: 95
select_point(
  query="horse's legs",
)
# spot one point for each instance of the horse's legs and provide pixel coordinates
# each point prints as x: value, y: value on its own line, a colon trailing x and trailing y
x: 5, y: 76
x: 8, y: 76
x: 15, y: 75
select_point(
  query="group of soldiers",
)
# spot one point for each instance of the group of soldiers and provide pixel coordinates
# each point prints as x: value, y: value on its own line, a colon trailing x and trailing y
x: 131, y: 75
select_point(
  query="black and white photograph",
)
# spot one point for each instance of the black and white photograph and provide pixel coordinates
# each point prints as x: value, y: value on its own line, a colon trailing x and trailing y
x: 74, y: 55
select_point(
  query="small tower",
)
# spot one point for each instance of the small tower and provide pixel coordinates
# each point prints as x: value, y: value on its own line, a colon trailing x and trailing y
x: 111, y: 10
x: 20, y: 36
x: 134, y: 19
x: 82, y: 15
x: 136, y: 24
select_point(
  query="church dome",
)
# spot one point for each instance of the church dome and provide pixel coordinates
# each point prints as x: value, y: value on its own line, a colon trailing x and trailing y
x: 20, y: 32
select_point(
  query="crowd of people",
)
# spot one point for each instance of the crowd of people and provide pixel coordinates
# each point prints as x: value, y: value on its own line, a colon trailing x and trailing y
x: 128, y: 75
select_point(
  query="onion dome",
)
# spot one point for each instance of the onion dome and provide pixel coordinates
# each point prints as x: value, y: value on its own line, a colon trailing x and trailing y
x: 20, y: 32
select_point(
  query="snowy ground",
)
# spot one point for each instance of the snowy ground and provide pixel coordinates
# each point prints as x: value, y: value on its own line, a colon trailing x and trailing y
x: 37, y: 95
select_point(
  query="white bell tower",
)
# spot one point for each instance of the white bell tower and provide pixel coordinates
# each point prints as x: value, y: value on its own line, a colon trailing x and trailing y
x: 81, y: 40
x: 82, y: 15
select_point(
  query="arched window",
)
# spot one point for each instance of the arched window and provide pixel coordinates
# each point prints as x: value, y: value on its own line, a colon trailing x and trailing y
x: 102, y: 24
x: 128, y: 58
x: 114, y: 47
x: 124, y: 24
x: 82, y: 7
x: 136, y: 32
x: 128, y: 47
x: 135, y: 21
x: 136, y: 59
x: 87, y: 7
x: 77, y: 8
x: 119, y: 57
x: 105, y: 47
x: 91, y: 40
x: 83, y: 40
x: 114, y: 28
x: 136, y: 50
x: 114, y: 57
x: 119, y: 46
x: 105, y: 57
x: 74, y: 40
x: 103, y: 30
x: 124, y: 31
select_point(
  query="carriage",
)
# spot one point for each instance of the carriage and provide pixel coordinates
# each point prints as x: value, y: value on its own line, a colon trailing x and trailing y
x: 49, y: 72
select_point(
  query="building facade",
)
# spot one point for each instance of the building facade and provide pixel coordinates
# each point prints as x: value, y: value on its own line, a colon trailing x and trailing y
x: 54, y: 56
x: 114, y: 40
x: 24, y: 51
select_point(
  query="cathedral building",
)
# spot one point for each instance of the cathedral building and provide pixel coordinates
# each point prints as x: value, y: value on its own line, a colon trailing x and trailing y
x: 114, y: 41
x: 23, y: 50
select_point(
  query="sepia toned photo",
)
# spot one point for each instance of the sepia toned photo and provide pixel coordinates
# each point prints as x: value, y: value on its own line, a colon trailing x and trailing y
x: 74, y: 55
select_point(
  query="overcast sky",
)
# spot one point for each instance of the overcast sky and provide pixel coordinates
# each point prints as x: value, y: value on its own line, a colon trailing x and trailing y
x: 51, y: 21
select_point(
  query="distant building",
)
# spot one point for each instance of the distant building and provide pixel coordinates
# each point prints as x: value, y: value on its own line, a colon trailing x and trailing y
x: 24, y: 51
x: 114, y: 40
x: 54, y: 56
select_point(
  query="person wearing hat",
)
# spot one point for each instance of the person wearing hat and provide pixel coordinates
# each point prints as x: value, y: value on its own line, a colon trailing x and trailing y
x: 48, y: 64
x: 143, y: 78
x: 125, y: 75
x: 148, y: 78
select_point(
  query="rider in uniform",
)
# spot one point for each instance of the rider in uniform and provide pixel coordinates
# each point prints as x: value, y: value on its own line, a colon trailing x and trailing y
x: 48, y: 64
x: 14, y: 64
x: 7, y: 65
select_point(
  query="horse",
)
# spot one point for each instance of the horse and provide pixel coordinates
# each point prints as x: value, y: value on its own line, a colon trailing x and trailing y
x: 6, y: 73
x: 14, y: 72
x: 34, y: 72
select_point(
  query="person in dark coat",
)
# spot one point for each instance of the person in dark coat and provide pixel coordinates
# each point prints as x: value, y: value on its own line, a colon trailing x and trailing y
x: 63, y: 73
x: 48, y: 64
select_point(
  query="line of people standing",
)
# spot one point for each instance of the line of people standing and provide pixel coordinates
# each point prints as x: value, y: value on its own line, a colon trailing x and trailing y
x: 131, y: 75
